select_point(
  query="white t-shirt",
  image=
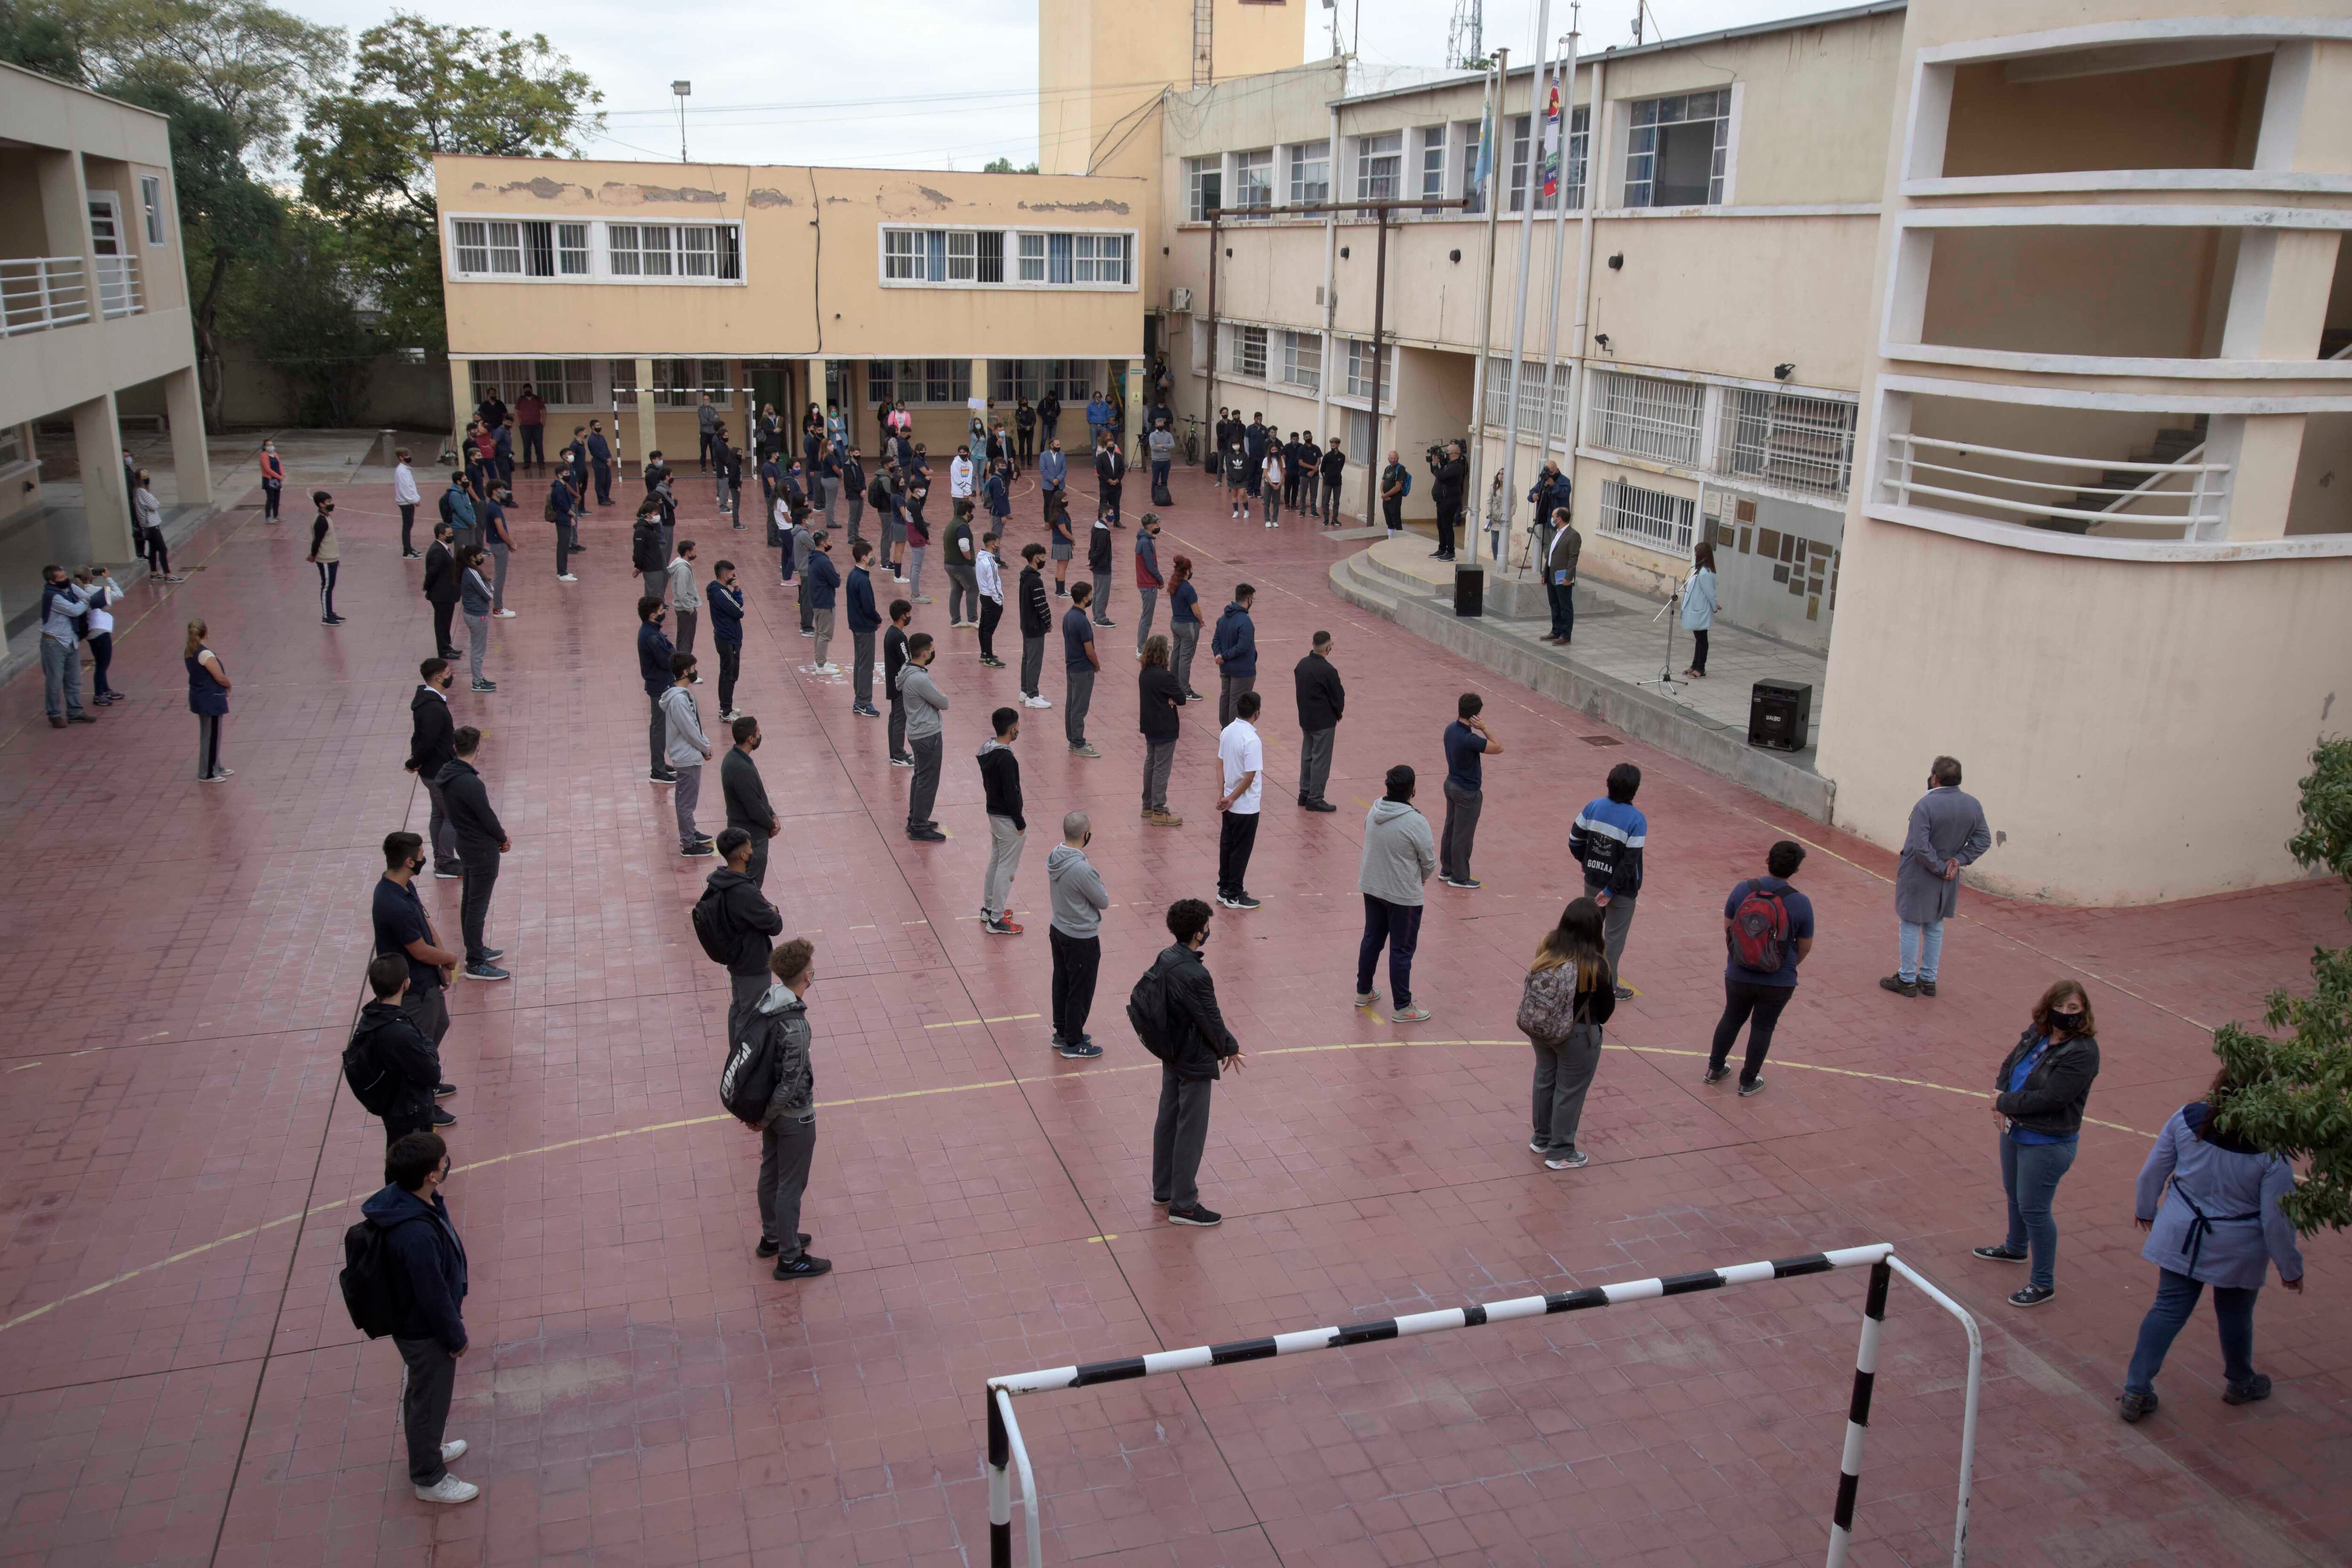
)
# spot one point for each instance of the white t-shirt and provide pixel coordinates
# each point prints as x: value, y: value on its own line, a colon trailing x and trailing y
x: 101, y: 612
x: 1241, y: 751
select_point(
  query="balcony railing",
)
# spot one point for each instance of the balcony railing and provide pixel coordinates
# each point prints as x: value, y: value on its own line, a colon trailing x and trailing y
x: 2183, y: 499
x: 118, y: 286
x: 39, y: 292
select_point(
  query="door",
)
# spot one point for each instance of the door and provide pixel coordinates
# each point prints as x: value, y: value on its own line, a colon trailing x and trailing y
x: 118, y: 290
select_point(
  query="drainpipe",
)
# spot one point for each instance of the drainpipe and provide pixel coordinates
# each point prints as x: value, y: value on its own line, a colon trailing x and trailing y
x: 1330, y: 275
x: 1540, y: 525
x: 1519, y: 307
x: 1475, y: 501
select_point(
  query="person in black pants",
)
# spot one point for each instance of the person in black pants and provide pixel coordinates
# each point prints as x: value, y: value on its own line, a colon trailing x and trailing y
x: 1767, y: 930
x: 431, y: 737
x: 441, y: 586
x: 894, y: 659
x: 1449, y: 479
x: 481, y: 839
x: 654, y: 651
x: 1074, y: 936
x: 396, y: 1062
x: 1196, y: 1047
x: 429, y: 1265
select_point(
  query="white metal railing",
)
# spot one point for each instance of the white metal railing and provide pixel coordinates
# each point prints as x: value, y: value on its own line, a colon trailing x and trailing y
x: 118, y: 286
x: 39, y: 292
x: 2197, y: 512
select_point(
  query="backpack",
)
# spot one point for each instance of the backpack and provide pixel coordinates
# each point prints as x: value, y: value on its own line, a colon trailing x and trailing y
x: 713, y: 930
x: 367, y: 1280
x: 1547, y: 1005
x: 748, y: 1082
x: 547, y: 508
x: 1759, y: 931
x: 1147, y: 1012
x: 645, y: 546
x: 372, y: 1082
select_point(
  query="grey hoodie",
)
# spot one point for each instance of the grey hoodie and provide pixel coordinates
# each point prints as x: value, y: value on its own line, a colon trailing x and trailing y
x: 795, y: 1096
x: 924, y: 702
x: 688, y: 747
x: 1399, y: 853
x: 1078, y: 896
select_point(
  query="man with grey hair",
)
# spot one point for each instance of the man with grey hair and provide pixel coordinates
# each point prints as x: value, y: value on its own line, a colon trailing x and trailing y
x: 1075, y: 936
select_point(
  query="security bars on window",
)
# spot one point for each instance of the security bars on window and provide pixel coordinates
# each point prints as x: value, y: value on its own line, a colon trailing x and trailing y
x: 1654, y: 517
x: 1784, y: 438
x: 1648, y: 417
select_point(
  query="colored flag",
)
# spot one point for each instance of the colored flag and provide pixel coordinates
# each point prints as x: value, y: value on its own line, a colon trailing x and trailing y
x: 1486, y: 168
x: 1551, y: 139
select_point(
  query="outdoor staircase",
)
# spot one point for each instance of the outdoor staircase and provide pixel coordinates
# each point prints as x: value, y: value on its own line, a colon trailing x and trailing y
x: 2171, y: 444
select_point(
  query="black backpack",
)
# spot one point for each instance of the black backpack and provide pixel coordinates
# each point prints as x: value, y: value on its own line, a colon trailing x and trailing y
x: 1147, y: 1011
x: 748, y: 1082
x: 372, y: 1082
x: 713, y: 930
x: 367, y: 1280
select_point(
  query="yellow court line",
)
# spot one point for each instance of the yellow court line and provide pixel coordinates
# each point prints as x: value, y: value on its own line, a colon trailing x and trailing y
x: 963, y: 1023
x: 253, y: 1231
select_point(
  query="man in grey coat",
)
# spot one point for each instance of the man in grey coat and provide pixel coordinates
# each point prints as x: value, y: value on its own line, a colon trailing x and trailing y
x: 1074, y: 936
x: 924, y: 703
x: 1400, y: 856
x: 1947, y: 831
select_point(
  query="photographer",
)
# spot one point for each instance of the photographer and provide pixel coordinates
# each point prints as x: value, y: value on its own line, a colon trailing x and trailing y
x: 1449, y: 478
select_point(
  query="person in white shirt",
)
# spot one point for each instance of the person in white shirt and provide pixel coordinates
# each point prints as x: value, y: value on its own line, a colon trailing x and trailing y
x: 685, y: 598
x: 104, y: 595
x: 1270, y: 487
x: 960, y: 475
x: 405, y: 496
x: 991, y: 567
x: 1240, y: 757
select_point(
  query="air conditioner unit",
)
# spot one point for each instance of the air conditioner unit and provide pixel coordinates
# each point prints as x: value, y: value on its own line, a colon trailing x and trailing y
x: 1180, y: 299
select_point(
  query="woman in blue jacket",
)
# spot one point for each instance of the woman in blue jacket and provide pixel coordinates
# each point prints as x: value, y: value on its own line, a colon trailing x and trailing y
x: 2221, y: 1225
x: 1698, y: 607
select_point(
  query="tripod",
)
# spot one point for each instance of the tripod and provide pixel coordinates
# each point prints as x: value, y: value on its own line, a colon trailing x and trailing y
x: 1665, y: 678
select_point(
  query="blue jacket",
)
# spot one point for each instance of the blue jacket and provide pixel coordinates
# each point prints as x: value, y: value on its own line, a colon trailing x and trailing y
x: 428, y: 1261
x: 1549, y: 496
x: 1609, y: 839
x: 819, y: 579
x: 1053, y: 471
x: 726, y: 614
x: 1098, y: 411
x: 1184, y: 602
x: 652, y: 659
x: 600, y: 451
x: 999, y: 501
x: 1235, y: 641
x: 2222, y: 1222
x: 863, y: 617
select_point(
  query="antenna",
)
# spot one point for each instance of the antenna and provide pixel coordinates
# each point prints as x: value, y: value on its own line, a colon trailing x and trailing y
x: 1465, y: 36
x: 1204, y: 28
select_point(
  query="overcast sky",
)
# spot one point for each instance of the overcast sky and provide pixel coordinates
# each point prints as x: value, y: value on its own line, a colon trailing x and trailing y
x: 925, y: 83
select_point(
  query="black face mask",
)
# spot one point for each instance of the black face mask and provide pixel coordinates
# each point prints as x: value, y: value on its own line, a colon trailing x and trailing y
x: 416, y: 865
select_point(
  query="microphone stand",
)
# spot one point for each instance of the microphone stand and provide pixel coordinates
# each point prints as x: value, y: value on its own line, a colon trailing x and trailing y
x: 1665, y: 678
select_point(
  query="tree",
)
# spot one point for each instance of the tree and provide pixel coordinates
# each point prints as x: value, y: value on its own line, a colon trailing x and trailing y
x: 2296, y: 1093
x: 40, y: 41
x: 419, y: 88
x: 253, y: 62
x: 1004, y: 166
x: 303, y: 316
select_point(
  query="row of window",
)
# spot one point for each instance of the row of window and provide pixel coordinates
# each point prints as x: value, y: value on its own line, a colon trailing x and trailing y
x: 1793, y: 441
x: 977, y: 256
x: 511, y: 249
x: 1286, y: 358
x: 599, y: 386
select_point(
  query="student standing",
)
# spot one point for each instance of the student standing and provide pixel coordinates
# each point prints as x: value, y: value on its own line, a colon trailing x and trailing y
x: 1000, y: 784
x: 2040, y: 1092
x: 1698, y: 607
x: 1334, y: 465
x: 432, y: 744
x: 1025, y: 427
x: 208, y: 686
x: 153, y: 548
x: 562, y: 508
x: 1269, y: 488
x: 1053, y: 481
x: 1074, y: 936
x: 427, y: 1294
x: 1110, y: 476
x: 64, y: 605
x: 1196, y: 1046
x: 1183, y: 624
x: 820, y: 587
x: 273, y: 480
x: 441, y: 586
x: 852, y: 490
x: 864, y: 622
x: 1241, y: 756
x: 1237, y: 474
x: 1080, y: 660
x: 1036, y: 621
x: 498, y: 542
x: 405, y: 496
x: 990, y: 572
x: 1057, y: 526
x: 387, y: 1062
x: 1468, y: 741
x: 326, y: 554
x: 1561, y: 554
x: 1569, y: 994
x: 600, y: 461
x: 894, y: 662
x: 918, y: 537
x: 1399, y: 856
x: 1049, y: 418
x: 1160, y: 702
x: 1947, y: 833
x: 962, y: 564
x: 746, y: 796
x: 1322, y: 699
x: 1148, y: 580
x: 531, y: 418
x: 481, y: 839
x: 457, y: 513
x: 726, y: 602
x: 103, y: 594
x: 1767, y: 930
x: 788, y: 1131
x: 2220, y: 1225
x: 688, y: 748
x: 685, y: 598
x: 1233, y: 647
x: 401, y: 927
x: 1396, y: 483
x: 924, y: 736
x: 646, y: 548
x: 1610, y: 839
x: 653, y: 652
x: 744, y: 916
x: 1098, y: 562
x: 476, y: 598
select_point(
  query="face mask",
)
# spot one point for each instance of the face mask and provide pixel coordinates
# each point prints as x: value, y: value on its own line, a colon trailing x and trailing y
x: 2066, y: 1022
x: 416, y: 865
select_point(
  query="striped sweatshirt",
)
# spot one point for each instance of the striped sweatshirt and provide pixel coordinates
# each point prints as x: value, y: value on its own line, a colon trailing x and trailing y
x: 1607, y: 842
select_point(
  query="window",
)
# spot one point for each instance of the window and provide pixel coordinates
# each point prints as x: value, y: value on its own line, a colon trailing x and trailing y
x: 1520, y: 126
x: 920, y: 380
x: 1254, y: 178
x: 1675, y: 155
x: 1533, y: 406
x: 713, y: 252
x: 1057, y: 258
x: 151, y: 203
x: 1648, y: 417
x: 1654, y: 517
x: 489, y: 248
x: 1101, y: 257
x: 990, y: 257
x: 680, y: 383
x: 1380, y: 166
x: 1433, y: 166
x: 1310, y: 172
x: 1033, y: 258
x: 1533, y: 403
x: 1359, y: 372
x: 1204, y: 187
x: 902, y: 256
x: 564, y: 383
x: 571, y: 249
x: 1787, y: 439
x: 638, y: 250
x: 1302, y: 360
x: 1071, y: 380
x: 1467, y: 136
x: 1248, y: 351
x: 1571, y: 174
x: 539, y: 250
x: 624, y: 372
x: 953, y: 255
x: 962, y: 257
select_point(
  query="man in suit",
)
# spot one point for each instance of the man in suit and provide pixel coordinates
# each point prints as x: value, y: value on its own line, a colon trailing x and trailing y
x: 1110, y: 471
x: 431, y: 748
x: 441, y: 585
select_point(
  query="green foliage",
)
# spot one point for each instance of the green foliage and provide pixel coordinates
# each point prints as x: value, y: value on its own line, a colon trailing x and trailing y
x: 419, y: 88
x: 2295, y: 1093
x: 40, y: 41
x: 1004, y: 166
x: 252, y: 61
x: 303, y: 318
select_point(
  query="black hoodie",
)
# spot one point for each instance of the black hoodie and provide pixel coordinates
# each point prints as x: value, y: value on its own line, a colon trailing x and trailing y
x: 754, y: 920
x: 432, y: 742
x: 480, y: 831
x: 396, y: 1047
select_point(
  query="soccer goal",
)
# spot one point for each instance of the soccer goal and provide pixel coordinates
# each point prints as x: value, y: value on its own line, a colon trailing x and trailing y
x: 1007, y: 1453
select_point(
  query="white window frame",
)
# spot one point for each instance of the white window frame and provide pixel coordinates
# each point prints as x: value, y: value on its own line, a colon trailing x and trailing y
x: 1310, y: 172
x: 1646, y: 515
x: 581, y: 249
x: 950, y: 377
x: 1025, y: 257
x: 1197, y: 171
x: 1243, y: 339
x: 1253, y: 181
x: 1642, y: 143
x: 1464, y: 175
x: 1352, y: 380
x: 1373, y: 148
x: 1302, y: 360
x: 1659, y: 420
x: 151, y: 207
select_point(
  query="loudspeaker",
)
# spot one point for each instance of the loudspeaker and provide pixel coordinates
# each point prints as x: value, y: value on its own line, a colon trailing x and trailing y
x: 1779, y: 715
x: 1469, y: 590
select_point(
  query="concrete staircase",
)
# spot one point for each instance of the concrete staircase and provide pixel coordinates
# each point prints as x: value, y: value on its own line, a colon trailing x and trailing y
x: 2171, y: 446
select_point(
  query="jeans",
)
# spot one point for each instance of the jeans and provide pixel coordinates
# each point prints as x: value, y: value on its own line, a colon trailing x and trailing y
x: 1330, y: 503
x: 991, y: 611
x: 1462, y: 807
x: 562, y: 546
x: 1076, y: 960
x: 1186, y: 639
x: 1159, y: 475
x: 2029, y: 1174
x: 1616, y: 920
x: 499, y: 554
x: 158, y: 551
x: 861, y: 661
x: 821, y: 632
x: 442, y: 837
x: 1033, y: 663
x: 1150, y: 597
x: 429, y: 1009
x: 1005, y: 842
x: 925, y: 791
x: 1179, y: 1132
x: 687, y: 792
x: 474, y: 904
x: 1923, y: 950
x: 1758, y: 1006
x: 60, y: 677
x: 478, y: 643
x: 431, y: 1376
x: 1563, y: 1076
x: 1314, y: 765
x: 604, y: 484
x: 964, y: 594
x: 2176, y: 1298
x: 1236, y: 838
x: 1563, y: 609
x: 209, y: 757
x: 730, y: 670
x: 534, y: 443
x: 683, y: 625
x: 1159, y: 758
x: 787, y: 1149
x: 1099, y: 609
x: 328, y: 571
x: 915, y: 570
x: 1229, y: 691
x: 1076, y: 698
x: 1269, y: 505
x: 1398, y: 925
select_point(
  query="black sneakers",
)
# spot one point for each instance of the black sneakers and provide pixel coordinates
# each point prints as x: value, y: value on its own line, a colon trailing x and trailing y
x: 1999, y: 1254
x: 1196, y: 1215
x: 770, y: 1248
x: 1899, y: 985
x: 804, y: 1267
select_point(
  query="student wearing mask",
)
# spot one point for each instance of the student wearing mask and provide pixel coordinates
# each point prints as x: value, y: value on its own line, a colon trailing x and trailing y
x: 427, y: 1294
x: 1610, y: 839
x: 924, y: 736
x: 1241, y: 758
x: 787, y: 1131
x: 403, y: 930
x: 653, y: 653
x: 894, y: 661
x: 1183, y: 624
x: 432, y: 744
x: 498, y: 544
x: 1000, y: 784
x: 1074, y: 936
x: 1192, y: 1054
x: 1569, y: 993
x: 1768, y: 931
x: 1159, y: 704
x: 326, y: 554
x: 273, y: 480
x: 208, y: 686
x: 1080, y: 661
x: 481, y: 840
x: 990, y: 573
x: 725, y: 599
x: 864, y: 623
x: 688, y: 748
x: 405, y: 496
x: 1399, y: 855
x: 65, y: 605
x: 820, y: 589
x: 1322, y: 699
x: 1233, y: 647
x: 1148, y: 580
x: 1036, y: 623
x: 441, y: 586
x: 746, y: 797
x: 475, y: 598
x: 2039, y: 1095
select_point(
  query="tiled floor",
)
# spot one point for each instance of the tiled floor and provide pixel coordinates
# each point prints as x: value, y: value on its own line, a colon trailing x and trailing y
x: 178, y: 1382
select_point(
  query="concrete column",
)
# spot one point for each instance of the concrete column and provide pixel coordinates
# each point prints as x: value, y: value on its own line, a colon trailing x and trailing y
x: 2278, y: 304
x: 641, y: 421
x: 97, y: 447
x: 980, y: 386
x: 461, y: 404
x: 183, y: 405
x: 65, y: 214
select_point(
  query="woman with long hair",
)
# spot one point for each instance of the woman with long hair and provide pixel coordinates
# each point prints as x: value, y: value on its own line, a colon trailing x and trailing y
x: 208, y: 701
x: 1698, y: 607
x: 1184, y: 623
x: 1159, y: 702
x: 1569, y: 994
x: 2040, y: 1091
x: 2221, y: 1225
x: 475, y: 598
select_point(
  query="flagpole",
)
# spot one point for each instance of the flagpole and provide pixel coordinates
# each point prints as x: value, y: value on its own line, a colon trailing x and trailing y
x: 1495, y: 78
x: 1519, y: 308
x: 1564, y: 75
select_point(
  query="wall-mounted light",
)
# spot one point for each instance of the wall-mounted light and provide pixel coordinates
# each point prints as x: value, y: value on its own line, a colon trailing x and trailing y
x: 1229, y: 253
x: 1343, y: 253
x: 1163, y: 250
x: 1783, y: 372
x: 1617, y: 262
x: 1601, y: 340
x: 1454, y: 256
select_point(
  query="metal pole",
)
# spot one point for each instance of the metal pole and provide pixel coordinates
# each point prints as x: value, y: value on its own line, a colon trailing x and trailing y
x: 999, y: 1486
x: 1565, y: 76
x: 1380, y: 319
x: 1217, y: 246
x: 1596, y: 155
x: 1486, y: 307
x: 1519, y: 308
x: 1857, y: 1419
x: 1330, y: 279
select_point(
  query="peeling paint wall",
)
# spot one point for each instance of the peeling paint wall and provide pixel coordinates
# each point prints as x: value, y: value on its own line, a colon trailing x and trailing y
x: 1106, y: 205
x: 766, y: 196
x: 621, y: 194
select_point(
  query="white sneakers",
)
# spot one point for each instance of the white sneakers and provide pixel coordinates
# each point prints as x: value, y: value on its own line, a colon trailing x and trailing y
x: 449, y: 1489
x: 1038, y: 701
x: 566, y: 577
x: 452, y: 1450
x: 503, y: 615
x: 827, y: 668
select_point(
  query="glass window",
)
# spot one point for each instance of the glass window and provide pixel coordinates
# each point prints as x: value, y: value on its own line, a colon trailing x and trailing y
x: 962, y: 257
x: 698, y: 253
x: 151, y: 205
x: 1474, y: 195
x: 624, y: 375
x: 1310, y: 172
x: 1057, y: 258
x: 882, y: 380
x: 563, y: 382
x: 1359, y: 372
x: 1101, y: 258
x: 571, y: 249
x: 1249, y: 352
x: 1433, y: 166
x: 638, y: 250
x: 1675, y: 155
x: 1302, y: 360
x: 902, y: 255
x: 1380, y: 166
x: 991, y: 260
x: 1204, y: 186
x: 1648, y: 417
x: 1656, y: 516
x: 1520, y: 125
x: 506, y: 248
x: 473, y: 244
x: 1254, y: 178
x: 1033, y: 258
x: 539, y: 250
x: 1572, y: 175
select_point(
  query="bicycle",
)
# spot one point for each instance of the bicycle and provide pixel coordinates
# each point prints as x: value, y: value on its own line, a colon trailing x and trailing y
x: 1191, y: 438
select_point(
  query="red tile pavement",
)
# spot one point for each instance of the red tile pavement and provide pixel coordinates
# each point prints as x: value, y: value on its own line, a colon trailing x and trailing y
x: 178, y: 1382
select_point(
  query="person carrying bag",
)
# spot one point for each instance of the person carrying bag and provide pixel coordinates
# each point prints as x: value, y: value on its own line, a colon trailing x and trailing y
x: 1569, y: 994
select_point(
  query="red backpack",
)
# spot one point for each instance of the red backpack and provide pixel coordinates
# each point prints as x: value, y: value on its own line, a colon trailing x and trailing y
x: 1759, y: 931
